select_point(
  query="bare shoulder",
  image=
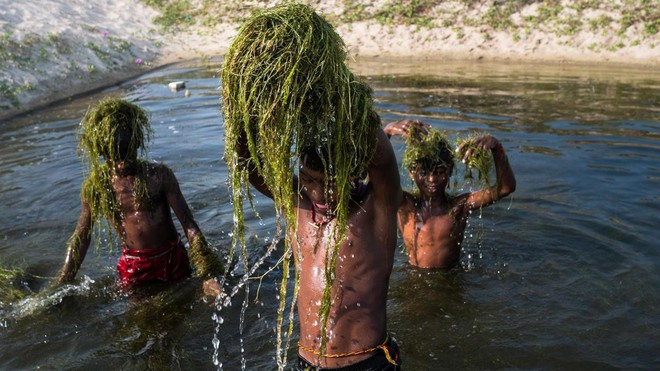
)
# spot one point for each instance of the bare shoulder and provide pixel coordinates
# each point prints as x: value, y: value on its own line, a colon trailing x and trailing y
x: 408, y: 201
x: 156, y: 167
x: 406, y: 208
x: 460, y: 202
x: 159, y: 171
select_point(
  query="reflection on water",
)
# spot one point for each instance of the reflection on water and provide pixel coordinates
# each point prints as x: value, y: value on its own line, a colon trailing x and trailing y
x: 564, y: 275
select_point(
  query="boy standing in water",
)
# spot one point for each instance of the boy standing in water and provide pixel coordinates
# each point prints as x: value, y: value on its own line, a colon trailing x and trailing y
x: 341, y: 228
x: 357, y: 335
x: 134, y: 196
x: 432, y: 222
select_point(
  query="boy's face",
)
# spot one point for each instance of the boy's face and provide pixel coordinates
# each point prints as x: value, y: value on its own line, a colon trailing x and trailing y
x: 431, y: 180
x: 125, y: 149
x: 313, y: 183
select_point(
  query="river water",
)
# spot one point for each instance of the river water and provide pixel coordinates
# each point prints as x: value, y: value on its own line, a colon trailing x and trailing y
x: 562, y: 275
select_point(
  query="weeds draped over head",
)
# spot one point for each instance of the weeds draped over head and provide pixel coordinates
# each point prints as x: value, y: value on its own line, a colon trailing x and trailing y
x: 99, y: 148
x: 429, y: 149
x: 433, y: 147
x: 286, y: 88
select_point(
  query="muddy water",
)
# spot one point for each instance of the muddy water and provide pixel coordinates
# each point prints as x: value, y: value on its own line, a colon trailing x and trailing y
x: 562, y: 276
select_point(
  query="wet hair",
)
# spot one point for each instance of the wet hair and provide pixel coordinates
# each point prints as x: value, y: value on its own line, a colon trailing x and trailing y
x: 286, y: 87
x: 316, y: 159
x: 115, y: 129
x: 445, y: 158
x: 428, y: 151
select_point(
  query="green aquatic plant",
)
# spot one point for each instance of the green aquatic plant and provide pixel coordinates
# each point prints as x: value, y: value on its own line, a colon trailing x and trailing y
x: 480, y: 160
x: 428, y: 150
x: 287, y: 89
x: 433, y: 147
x: 10, y: 282
x: 99, y: 147
x: 203, y: 258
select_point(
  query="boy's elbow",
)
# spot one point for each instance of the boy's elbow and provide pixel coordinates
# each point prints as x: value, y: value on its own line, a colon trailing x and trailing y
x: 508, y: 188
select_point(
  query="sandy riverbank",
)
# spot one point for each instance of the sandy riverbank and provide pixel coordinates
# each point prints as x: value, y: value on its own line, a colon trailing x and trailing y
x: 55, y: 49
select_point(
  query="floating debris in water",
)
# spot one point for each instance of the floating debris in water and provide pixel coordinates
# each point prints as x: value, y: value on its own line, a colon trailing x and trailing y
x: 177, y: 85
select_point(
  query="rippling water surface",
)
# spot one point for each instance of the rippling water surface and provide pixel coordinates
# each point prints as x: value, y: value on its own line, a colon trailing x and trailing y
x: 564, y: 275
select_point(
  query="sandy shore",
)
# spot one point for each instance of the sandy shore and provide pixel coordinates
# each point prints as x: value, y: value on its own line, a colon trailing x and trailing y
x: 55, y: 49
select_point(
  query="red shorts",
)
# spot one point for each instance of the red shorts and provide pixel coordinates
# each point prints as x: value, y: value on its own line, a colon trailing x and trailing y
x: 164, y: 264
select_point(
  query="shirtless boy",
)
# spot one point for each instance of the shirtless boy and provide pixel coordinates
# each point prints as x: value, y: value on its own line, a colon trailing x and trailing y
x: 135, y: 197
x: 433, y: 223
x: 356, y: 328
x: 358, y: 313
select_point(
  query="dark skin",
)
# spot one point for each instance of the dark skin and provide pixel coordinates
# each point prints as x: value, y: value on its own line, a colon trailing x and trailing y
x: 357, y: 319
x: 139, y: 227
x: 433, y: 224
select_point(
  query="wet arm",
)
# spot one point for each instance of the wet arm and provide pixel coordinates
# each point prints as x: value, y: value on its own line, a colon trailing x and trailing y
x: 205, y: 261
x: 77, y: 246
x: 245, y: 161
x: 383, y: 170
x: 506, y: 181
x: 404, y: 127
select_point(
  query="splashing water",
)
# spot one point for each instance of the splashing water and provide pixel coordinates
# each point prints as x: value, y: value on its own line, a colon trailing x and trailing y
x: 224, y: 300
x: 32, y: 304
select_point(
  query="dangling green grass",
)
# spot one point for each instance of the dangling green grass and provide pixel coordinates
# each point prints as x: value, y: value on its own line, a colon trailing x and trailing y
x: 99, y: 150
x: 203, y: 258
x: 428, y: 147
x: 479, y: 164
x: 10, y: 284
x: 286, y: 88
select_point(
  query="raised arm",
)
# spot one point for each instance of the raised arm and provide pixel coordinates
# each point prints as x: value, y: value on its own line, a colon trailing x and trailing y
x: 77, y: 245
x: 404, y: 127
x: 244, y: 159
x: 384, y: 171
x: 205, y: 261
x: 506, y: 181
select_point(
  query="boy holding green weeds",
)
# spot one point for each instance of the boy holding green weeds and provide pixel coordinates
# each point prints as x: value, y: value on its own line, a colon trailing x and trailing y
x: 432, y: 222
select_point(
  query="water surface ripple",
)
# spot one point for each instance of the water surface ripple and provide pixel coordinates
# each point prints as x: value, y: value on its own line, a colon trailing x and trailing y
x: 564, y: 275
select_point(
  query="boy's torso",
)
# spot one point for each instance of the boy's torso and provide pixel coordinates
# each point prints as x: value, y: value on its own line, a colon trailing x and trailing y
x: 146, y: 221
x: 362, y: 268
x: 432, y: 234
